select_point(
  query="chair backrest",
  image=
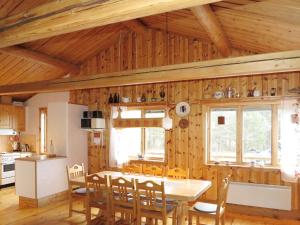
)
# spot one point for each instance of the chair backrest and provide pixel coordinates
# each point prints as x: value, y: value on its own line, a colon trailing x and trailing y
x: 153, y: 170
x: 122, y: 192
x: 97, y: 188
x: 132, y: 168
x: 151, y: 196
x: 177, y: 173
x: 75, y: 171
x: 222, y: 195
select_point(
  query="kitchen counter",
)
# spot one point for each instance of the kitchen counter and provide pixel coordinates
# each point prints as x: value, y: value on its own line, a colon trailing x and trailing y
x: 40, y: 158
x: 40, y: 180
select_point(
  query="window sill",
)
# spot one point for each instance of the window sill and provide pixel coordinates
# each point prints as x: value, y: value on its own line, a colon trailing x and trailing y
x: 255, y: 167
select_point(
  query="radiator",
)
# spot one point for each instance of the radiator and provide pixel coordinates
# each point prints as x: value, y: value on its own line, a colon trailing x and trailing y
x: 260, y: 195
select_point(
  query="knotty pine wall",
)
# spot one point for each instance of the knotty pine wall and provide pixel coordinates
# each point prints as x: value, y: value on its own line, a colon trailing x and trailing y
x: 183, y: 146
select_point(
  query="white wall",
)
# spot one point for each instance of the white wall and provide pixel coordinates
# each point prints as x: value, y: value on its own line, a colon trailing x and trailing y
x: 41, y: 178
x: 77, y: 147
x: 39, y: 101
x: 25, y: 179
x: 51, y: 177
x: 57, y: 127
x: 63, y: 125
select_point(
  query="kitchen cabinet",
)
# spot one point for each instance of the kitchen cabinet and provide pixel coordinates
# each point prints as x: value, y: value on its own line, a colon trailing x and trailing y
x: 19, y: 118
x: 12, y: 117
x: 6, y: 112
x: 39, y: 178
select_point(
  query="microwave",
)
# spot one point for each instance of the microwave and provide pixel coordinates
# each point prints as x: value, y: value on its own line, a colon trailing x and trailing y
x: 86, y: 123
x: 93, y: 123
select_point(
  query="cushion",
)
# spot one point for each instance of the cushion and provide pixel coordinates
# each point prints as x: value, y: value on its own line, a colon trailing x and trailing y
x: 81, y: 191
x: 168, y: 201
x: 169, y: 207
x: 205, y: 207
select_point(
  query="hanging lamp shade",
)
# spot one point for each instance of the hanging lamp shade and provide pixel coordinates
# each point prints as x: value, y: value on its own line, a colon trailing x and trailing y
x: 167, y: 122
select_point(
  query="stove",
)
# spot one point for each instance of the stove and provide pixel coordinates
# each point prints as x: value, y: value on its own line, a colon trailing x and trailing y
x: 7, y: 166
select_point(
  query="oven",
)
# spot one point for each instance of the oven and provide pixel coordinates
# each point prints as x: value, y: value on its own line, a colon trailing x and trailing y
x: 7, y: 169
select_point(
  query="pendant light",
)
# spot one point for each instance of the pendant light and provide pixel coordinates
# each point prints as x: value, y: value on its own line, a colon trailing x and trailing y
x: 167, y: 122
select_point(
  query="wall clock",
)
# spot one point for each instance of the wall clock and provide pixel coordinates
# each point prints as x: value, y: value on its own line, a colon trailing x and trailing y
x: 182, y: 109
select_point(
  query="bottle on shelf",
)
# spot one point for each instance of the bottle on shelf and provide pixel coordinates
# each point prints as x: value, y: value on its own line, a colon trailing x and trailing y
x: 110, y: 99
x: 51, y: 148
x: 143, y: 99
x: 115, y: 98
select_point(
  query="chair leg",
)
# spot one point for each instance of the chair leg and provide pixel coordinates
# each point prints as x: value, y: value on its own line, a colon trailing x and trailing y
x: 197, y: 220
x: 138, y: 220
x: 70, y: 205
x: 223, y: 219
x: 113, y: 218
x: 190, y: 219
x: 88, y: 215
x: 217, y: 221
x: 174, y: 217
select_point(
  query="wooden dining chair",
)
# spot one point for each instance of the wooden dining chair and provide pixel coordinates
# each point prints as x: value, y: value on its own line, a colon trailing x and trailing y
x: 151, y: 203
x: 74, y: 191
x: 97, y: 197
x: 132, y: 168
x: 123, y: 200
x: 153, y: 170
x: 215, y: 211
x: 177, y: 173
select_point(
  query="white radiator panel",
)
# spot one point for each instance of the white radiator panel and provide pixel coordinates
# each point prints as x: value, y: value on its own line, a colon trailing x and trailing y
x: 260, y: 195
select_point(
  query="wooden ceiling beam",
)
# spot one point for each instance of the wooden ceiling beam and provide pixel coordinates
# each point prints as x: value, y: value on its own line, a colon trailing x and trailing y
x: 41, y: 58
x: 220, y: 68
x: 209, y: 21
x: 136, y: 26
x: 60, y: 17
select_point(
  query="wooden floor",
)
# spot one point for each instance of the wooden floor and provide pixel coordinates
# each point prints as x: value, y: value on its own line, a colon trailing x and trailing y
x: 57, y: 214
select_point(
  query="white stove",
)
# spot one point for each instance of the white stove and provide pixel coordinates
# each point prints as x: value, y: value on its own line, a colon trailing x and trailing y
x: 7, y: 166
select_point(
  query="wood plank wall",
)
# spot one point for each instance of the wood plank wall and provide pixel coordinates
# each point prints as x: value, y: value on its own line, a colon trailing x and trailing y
x: 184, y: 146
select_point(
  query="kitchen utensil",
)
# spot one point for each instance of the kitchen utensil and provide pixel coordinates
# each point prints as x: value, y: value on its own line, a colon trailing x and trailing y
x: 27, y: 148
x: 125, y: 99
x: 219, y: 94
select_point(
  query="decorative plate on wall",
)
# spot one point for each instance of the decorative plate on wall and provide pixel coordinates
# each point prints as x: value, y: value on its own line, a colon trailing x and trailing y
x: 183, y: 123
x: 182, y: 109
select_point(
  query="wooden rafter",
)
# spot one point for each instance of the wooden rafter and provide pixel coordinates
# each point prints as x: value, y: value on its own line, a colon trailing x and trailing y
x: 59, y: 17
x: 220, y: 68
x: 41, y: 58
x: 212, y: 26
x: 136, y: 26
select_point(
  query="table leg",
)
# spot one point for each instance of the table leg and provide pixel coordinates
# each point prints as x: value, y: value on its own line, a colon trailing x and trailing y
x: 181, y: 212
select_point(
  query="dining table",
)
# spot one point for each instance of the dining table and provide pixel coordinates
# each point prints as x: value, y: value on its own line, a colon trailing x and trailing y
x: 180, y: 190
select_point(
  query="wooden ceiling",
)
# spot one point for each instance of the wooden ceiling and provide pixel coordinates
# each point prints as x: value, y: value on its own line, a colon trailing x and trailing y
x: 259, y: 26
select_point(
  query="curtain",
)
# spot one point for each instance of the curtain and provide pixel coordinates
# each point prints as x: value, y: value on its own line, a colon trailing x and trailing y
x: 124, y: 143
x: 113, y: 139
x: 289, y: 142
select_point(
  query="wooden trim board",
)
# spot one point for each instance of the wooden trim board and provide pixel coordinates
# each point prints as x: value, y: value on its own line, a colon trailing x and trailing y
x: 221, y: 68
x: 60, y: 17
x: 25, y: 203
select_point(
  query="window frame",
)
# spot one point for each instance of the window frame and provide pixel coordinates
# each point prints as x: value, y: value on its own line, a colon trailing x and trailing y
x: 239, y: 106
x: 43, y: 110
x: 143, y: 131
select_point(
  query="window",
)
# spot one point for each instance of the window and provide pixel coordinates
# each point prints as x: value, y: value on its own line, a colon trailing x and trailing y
x: 223, y: 137
x: 242, y: 134
x: 154, y: 143
x: 148, y: 142
x: 43, y: 129
x: 257, y: 133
